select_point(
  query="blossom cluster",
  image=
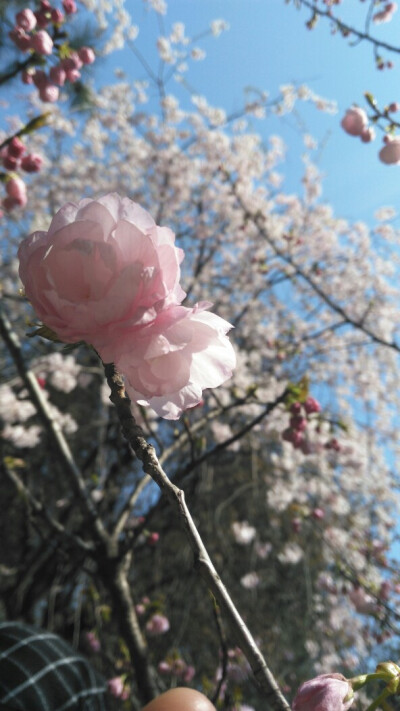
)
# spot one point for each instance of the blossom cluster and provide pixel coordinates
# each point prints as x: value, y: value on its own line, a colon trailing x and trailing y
x: 14, y: 157
x: 37, y: 32
x: 355, y: 123
x: 106, y: 274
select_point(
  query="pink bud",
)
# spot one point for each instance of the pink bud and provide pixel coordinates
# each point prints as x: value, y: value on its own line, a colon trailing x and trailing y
x: 20, y: 39
x: 164, y: 667
x: 69, y: 6
x: 42, y: 18
x: 354, y: 121
x: 327, y: 692
x: 42, y: 43
x: 390, y: 153
x: 31, y: 163
x: 368, y: 135
x: 57, y: 75
x: 16, y: 148
x: 10, y: 163
x: 72, y: 62
x: 26, y: 19
x: 9, y: 203
x: 312, y: 405
x: 86, y: 55
x: 57, y: 17
x: 157, y: 624
x: 318, y: 514
x: 298, y: 423
x: 295, y: 409
x: 116, y: 687
x: 16, y: 188
x: 393, y: 107
x: 40, y: 78
x: 73, y: 75
x: 93, y: 642
x: 49, y: 93
x: 153, y: 538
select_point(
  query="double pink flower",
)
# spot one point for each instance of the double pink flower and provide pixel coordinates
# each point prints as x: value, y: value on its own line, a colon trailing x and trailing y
x: 106, y: 274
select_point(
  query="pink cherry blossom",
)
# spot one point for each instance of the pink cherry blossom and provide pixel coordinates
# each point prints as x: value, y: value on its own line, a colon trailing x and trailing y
x: 170, y: 363
x: 42, y: 43
x: 103, y: 268
x: 390, y: 153
x: 327, y: 692
x: 355, y: 121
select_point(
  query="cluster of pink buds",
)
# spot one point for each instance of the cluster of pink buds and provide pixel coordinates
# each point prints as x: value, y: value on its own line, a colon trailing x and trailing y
x: 30, y: 35
x: 300, y: 414
x: 355, y: 123
x: 14, y: 157
x: 178, y: 668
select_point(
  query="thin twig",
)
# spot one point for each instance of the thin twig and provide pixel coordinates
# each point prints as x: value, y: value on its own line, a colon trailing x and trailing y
x: 146, y: 453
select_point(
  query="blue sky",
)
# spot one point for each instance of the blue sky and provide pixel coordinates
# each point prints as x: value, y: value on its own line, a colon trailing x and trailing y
x: 268, y: 45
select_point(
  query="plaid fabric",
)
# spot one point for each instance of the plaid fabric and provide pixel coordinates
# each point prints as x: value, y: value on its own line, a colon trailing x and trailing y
x: 41, y: 672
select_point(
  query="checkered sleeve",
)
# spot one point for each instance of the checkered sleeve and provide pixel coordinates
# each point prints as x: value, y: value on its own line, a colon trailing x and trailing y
x: 41, y: 672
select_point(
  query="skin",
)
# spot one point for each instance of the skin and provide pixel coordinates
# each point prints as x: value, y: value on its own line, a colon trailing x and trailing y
x: 180, y: 700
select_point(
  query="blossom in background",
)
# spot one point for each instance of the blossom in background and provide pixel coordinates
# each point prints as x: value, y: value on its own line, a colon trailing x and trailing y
x: 157, y: 624
x: 327, y: 692
x: 243, y: 532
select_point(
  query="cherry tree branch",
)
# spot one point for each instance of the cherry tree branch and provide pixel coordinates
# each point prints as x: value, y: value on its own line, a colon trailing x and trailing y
x: 347, y: 29
x: 52, y: 427
x: 146, y: 453
x: 257, y: 219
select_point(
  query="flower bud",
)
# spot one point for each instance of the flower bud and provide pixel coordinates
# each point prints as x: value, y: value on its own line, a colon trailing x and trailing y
x: 58, y: 75
x: 49, y: 93
x: 327, y: 692
x: 16, y: 188
x: 69, y: 6
x: 16, y: 148
x: 31, y: 163
x: 26, y: 20
x: 20, y: 39
x: 390, y: 153
x: 42, y: 43
x: 73, y: 75
x: 57, y: 17
x: 86, y: 55
x: 368, y: 135
x: 355, y: 121
x: 312, y: 405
